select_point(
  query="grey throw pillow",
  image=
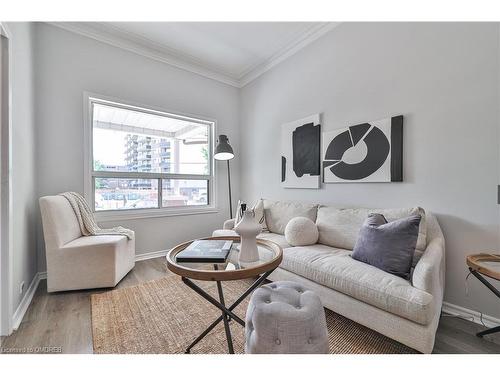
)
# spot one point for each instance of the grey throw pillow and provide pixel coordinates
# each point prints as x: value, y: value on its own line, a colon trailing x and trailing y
x: 388, y: 246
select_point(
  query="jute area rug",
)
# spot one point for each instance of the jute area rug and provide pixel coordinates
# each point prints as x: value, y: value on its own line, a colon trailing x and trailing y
x: 165, y: 316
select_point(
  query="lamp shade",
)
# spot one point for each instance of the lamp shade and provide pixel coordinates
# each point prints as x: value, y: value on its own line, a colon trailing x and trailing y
x: 223, y: 150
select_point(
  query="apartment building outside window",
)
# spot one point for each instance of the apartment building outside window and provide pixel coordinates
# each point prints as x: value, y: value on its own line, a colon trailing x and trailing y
x: 142, y: 159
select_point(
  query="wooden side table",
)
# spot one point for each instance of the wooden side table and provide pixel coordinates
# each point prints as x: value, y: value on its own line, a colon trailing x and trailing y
x: 487, y: 265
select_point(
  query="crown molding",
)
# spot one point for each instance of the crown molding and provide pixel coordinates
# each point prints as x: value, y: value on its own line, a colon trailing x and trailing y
x: 123, y: 40
x: 117, y: 37
x: 4, y: 30
x: 302, y: 41
x: 140, y: 40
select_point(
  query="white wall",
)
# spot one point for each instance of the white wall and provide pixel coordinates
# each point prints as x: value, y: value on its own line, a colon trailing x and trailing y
x: 444, y: 79
x: 23, y: 160
x: 67, y: 65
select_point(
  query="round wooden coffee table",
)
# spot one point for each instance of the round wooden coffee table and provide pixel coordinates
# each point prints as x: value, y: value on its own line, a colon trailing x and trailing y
x: 270, y: 257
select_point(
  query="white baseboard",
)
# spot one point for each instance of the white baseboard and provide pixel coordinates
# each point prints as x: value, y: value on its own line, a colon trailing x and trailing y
x: 151, y: 255
x: 474, y: 316
x: 26, y: 301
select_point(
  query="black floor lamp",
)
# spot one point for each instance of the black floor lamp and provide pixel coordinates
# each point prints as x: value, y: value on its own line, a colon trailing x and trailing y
x: 224, y: 151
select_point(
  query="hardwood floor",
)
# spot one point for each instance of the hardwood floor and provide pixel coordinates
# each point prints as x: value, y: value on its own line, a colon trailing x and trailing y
x: 60, y: 322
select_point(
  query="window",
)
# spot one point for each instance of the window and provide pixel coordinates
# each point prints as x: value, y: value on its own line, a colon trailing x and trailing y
x: 147, y: 159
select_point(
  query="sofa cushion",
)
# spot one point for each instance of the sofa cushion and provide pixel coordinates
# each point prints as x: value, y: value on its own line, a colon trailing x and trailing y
x: 334, y: 268
x: 224, y: 233
x: 258, y: 209
x: 279, y: 213
x: 339, y: 227
x: 277, y: 238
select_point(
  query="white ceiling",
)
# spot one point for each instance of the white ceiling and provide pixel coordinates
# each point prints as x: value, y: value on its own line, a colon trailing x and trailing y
x: 232, y: 48
x: 231, y: 52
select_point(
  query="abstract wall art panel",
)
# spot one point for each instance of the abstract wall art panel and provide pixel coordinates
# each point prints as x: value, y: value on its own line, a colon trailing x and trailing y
x: 368, y: 152
x: 301, y: 153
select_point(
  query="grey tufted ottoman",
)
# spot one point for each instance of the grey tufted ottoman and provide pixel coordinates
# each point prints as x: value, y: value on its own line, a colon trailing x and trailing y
x: 284, y: 317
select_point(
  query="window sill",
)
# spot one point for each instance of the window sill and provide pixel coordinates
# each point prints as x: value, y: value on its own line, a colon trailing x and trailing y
x: 118, y: 215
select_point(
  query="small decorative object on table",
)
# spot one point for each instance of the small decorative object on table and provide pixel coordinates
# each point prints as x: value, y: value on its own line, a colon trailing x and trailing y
x: 248, y: 228
x: 205, y: 251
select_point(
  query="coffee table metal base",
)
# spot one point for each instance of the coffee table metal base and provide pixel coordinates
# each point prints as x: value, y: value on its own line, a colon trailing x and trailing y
x: 496, y: 292
x: 226, y: 312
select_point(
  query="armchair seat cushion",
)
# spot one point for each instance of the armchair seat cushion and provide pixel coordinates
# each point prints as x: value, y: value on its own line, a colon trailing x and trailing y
x: 334, y: 268
x: 102, y: 241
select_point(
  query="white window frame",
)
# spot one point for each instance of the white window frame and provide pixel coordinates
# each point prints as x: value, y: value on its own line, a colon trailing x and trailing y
x: 139, y: 213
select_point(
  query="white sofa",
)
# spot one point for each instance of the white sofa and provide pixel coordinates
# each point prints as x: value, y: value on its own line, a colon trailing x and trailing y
x: 405, y: 310
x: 75, y: 261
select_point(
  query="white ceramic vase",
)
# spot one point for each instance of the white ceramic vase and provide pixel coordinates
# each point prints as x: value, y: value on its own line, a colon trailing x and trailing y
x: 248, y: 228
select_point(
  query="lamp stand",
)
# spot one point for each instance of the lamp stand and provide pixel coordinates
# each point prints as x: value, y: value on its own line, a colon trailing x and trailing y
x: 229, y: 184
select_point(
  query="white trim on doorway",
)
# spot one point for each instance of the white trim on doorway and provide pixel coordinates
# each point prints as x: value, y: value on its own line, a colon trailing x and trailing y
x: 5, y: 182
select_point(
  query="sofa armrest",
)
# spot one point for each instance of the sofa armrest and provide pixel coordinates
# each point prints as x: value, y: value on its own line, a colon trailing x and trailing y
x: 428, y: 274
x: 229, y: 224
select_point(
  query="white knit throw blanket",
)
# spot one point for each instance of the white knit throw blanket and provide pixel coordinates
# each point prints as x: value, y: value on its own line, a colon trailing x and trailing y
x: 86, y: 218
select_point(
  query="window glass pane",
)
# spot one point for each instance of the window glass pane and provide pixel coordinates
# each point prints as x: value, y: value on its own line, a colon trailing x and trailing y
x: 125, y: 193
x: 126, y: 140
x: 177, y: 193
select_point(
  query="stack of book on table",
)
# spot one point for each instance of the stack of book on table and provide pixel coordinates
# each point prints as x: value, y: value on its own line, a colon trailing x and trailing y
x: 205, y: 251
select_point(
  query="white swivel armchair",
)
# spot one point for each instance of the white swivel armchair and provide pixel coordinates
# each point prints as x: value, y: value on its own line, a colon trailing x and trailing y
x: 75, y: 261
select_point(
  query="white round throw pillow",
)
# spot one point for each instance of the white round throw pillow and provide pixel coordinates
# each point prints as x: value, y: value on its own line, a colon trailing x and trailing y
x: 301, y: 231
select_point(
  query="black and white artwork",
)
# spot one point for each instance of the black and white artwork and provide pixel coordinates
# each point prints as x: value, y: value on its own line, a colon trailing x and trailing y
x: 368, y: 152
x: 301, y: 153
